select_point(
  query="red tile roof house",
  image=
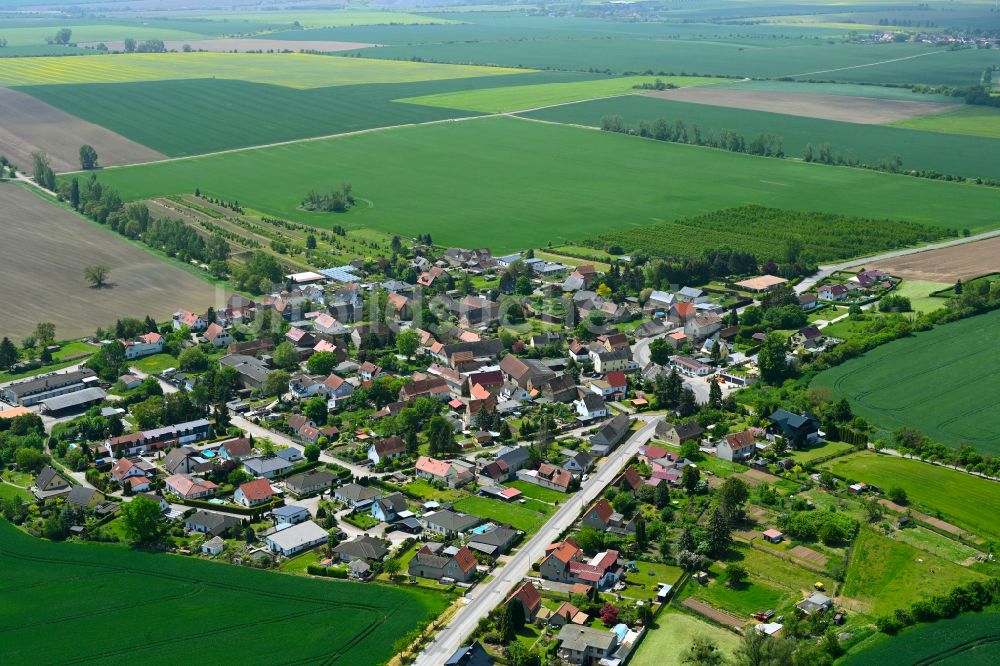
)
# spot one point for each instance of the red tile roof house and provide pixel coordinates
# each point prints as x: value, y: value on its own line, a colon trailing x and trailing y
x: 600, y: 571
x: 737, y: 446
x: 254, y: 493
x: 617, y: 381
x: 386, y: 449
x: 558, y: 556
x: 460, y: 566
x: 218, y: 336
x: 124, y: 469
x: 547, y: 476
x: 144, y: 345
x: 628, y: 480
x: 337, y: 389
x: 188, y: 487
x: 442, y: 472
x: 529, y: 598
x: 236, y: 449
x: 598, y: 516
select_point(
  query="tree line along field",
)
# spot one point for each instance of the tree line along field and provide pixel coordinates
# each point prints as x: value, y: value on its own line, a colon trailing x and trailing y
x: 528, y: 184
x: 958, y: 497
x: 969, y: 156
x: 195, y: 116
x: 165, y: 603
x: 967, y: 640
x: 940, y: 381
x: 521, y: 97
x: 294, y: 70
x: 825, y: 236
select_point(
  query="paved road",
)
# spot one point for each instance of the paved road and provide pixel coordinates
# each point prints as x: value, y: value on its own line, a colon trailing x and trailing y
x: 826, y: 271
x: 484, y: 597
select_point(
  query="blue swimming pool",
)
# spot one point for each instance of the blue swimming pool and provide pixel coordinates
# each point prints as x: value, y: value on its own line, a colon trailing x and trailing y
x: 208, y: 454
x: 482, y: 529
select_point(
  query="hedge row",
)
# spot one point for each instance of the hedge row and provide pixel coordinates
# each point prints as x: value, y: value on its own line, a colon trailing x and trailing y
x: 317, y: 570
x: 234, y: 508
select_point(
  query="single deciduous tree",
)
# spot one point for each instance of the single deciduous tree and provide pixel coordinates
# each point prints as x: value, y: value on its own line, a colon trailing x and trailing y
x: 88, y: 157
x: 96, y: 275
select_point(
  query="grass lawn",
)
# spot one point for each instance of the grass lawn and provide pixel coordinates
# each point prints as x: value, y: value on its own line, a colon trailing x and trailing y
x: 294, y: 70
x: 646, y: 585
x: 193, y: 600
x: 918, y: 291
x: 845, y: 328
x: 940, y: 381
x: 426, y: 491
x: 752, y: 596
x: 821, y: 451
x: 73, y: 350
x: 675, y: 631
x: 528, y: 197
x: 522, y: 98
x: 538, y: 492
x: 959, y: 498
x: 936, y: 544
x: 720, y: 467
x: 298, y: 564
x: 8, y: 491
x: 883, y: 574
x: 795, y: 580
x: 155, y: 363
x: 527, y: 517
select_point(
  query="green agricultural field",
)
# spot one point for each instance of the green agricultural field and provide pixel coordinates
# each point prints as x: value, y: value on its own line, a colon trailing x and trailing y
x: 983, y: 121
x: 754, y: 228
x: 884, y: 575
x: 516, y: 98
x: 307, y: 19
x: 940, y: 382
x: 959, y: 498
x: 195, y: 116
x: 946, y: 153
x: 294, y: 70
x: 219, y: 612
x: 822, y: 451
x: 527, y: 517
x: 968, y: 640
x: 528, y: 184
x: 666, y: 644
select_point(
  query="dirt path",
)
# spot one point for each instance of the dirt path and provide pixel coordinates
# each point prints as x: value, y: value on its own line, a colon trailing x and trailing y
x: 869, y: 64
x: 930, y: 520
x: 715, y: 614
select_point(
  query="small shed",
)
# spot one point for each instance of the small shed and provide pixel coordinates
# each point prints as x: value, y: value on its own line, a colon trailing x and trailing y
x: 213, y: 546
x: 773, y: 536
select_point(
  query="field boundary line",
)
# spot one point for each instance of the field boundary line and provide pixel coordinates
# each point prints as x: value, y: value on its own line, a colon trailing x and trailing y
x: 870, y: 64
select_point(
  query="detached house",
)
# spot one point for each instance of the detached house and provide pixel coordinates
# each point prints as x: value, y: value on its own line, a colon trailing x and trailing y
x: 218, y: 336
x: 591, y: 406
x: 442, y: 471
x: 187, y: 487
x: 50, y: 483
x: 737, y: 446
x: 555, y: 564
x: 607, y: 438
x: 192, y: 321
x: 386, y: 449
x: 529, y: 598
x: 678, y: 433
x: 458, y: 565
x: 337, y: 390
x: 451, y: 523
x: 547, y: 476
x: 144, y: 345
x: 254, y: 493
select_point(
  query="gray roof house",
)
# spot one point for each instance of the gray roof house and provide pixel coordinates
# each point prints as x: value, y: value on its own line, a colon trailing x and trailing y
x: 361, y: 548
x: 495, y: 542
x: 451, y: 523
x: 356, y: 495
x: 312, y: 481
x: 584, y: 645
x: 209, y: 522
x: 610, y: 434
x: 266, y: 468
x: 49, y: 483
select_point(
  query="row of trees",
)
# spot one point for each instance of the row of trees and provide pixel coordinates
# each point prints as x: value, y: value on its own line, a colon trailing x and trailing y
x: 661, y: 129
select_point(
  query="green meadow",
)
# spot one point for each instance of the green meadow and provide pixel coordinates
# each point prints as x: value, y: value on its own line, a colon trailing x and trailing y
x: 526, y: 184
x: 957, y: 497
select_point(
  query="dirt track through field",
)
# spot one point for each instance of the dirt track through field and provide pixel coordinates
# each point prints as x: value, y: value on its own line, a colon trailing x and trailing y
x: 930, y: 520
x: 245, y: 45
x: 809, y: 555
x: 44, y: 251
x: 715, y: 614
x: 864, y: 110
x: 959, y: 262
x: 28, y: 125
